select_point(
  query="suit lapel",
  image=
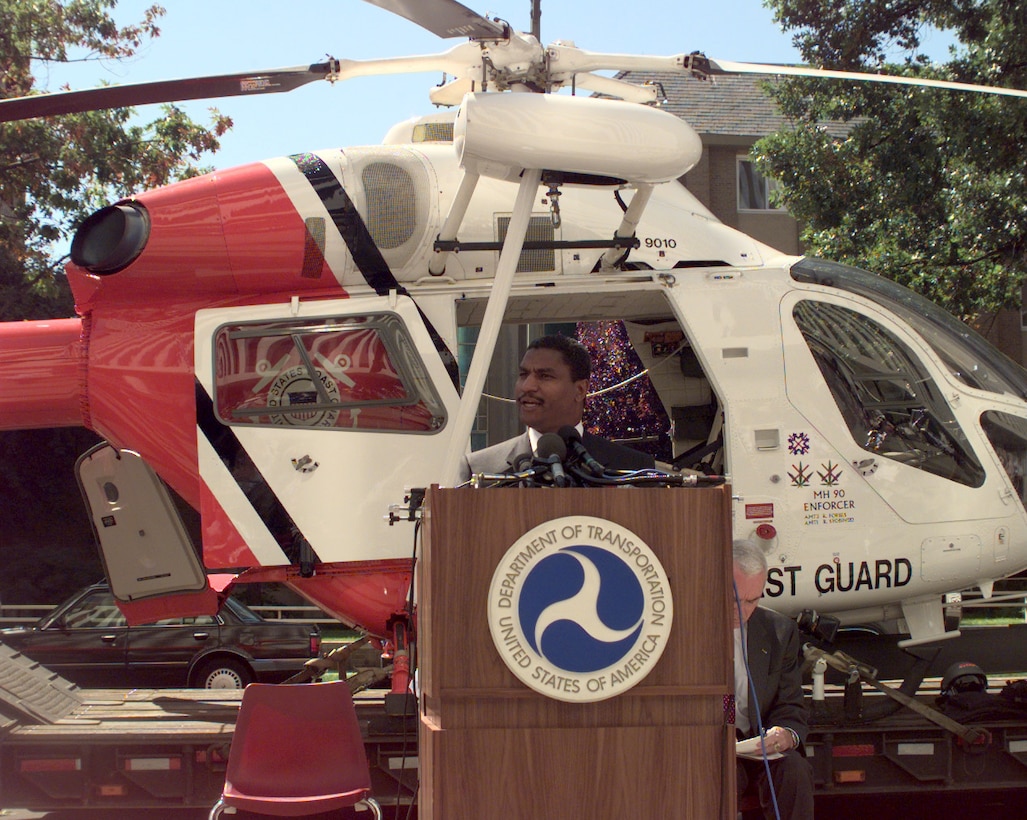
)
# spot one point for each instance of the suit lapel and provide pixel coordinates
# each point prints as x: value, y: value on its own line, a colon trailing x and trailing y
x: 520, y: 447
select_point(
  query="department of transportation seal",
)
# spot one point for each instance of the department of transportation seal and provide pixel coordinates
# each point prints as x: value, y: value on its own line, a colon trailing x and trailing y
x: 580, y: 609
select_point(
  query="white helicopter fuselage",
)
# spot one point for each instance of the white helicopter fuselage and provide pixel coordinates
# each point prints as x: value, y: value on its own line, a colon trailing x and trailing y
x: 864, y: 531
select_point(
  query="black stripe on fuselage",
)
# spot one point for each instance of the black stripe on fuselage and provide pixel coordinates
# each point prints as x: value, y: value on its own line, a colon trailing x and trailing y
x: 249, y: 478
x: 365, y: 253
x: 347, y: 221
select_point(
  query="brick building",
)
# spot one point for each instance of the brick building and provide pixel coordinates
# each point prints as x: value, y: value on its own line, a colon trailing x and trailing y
x: 729, y: 114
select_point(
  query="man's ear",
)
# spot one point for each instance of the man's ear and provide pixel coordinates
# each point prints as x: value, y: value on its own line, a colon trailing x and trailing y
x: 581, y: 389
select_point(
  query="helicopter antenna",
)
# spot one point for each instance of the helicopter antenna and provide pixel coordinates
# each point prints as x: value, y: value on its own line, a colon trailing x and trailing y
x: 536, y: 19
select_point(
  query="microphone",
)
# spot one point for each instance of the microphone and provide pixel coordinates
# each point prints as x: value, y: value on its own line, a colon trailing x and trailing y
x: 572, y: 439
x: 524, y: 476
x: 552, y: 450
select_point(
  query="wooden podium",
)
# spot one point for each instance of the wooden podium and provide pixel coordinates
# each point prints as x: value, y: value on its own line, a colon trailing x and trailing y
x: 491, y: 747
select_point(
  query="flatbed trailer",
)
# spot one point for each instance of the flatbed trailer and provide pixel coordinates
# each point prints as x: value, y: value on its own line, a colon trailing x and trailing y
x: 905, y: 754
x: 869, y: 736
x: 62, y: 747
x: 65, y: 748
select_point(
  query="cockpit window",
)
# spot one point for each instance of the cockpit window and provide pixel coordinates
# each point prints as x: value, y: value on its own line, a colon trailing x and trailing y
x: 1008, y: 435
x: 968, y: 356
x: 346, y: 373
x: 890, y: 403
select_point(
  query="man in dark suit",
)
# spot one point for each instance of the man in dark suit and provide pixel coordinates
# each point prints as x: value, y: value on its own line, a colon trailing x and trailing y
x: 550, y: 393
x: 772, y: 679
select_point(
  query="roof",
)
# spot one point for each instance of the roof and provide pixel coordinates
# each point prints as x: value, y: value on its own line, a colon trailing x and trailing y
x: 730, y: 106
x: 724, y: 106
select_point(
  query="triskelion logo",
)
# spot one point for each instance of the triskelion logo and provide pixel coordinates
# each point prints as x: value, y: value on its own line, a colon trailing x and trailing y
x: 580, y: 609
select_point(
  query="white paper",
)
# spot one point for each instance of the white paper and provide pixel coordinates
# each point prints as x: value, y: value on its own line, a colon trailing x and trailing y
x: 751, y: 748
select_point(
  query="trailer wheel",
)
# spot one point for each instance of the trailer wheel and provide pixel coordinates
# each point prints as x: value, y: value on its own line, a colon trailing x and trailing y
x: 224, y: 673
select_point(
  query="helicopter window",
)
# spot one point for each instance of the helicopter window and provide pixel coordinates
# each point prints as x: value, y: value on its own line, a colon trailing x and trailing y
x: 1008, y: 435
x: 889, y: 401
x: 350, y: 373
x: 967, y: 355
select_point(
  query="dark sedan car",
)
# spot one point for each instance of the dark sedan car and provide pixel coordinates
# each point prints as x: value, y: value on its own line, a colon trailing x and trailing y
x: 87, y: 641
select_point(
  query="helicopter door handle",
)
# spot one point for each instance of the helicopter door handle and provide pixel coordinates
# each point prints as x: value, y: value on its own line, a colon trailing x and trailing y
x: 866, y: 468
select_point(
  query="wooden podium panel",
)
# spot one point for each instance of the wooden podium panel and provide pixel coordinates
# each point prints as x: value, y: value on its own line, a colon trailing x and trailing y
x: 492, y: 747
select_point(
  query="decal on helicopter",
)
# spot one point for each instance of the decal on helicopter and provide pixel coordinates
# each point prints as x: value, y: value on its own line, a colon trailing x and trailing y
x: 348, y: 223
x: 270, y: 527
x: 882, y: 573
x: 759, y: 510
x: 852, y: 576
x: 798, y: 444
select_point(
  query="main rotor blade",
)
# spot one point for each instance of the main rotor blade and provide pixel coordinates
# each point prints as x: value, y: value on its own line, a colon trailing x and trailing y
x: 611, y: 87
x: 445, y: 18
x: 162, y: 91
x: 727, y: 67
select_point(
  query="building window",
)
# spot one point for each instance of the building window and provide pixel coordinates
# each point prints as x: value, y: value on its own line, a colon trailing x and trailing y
x: 754, y: 189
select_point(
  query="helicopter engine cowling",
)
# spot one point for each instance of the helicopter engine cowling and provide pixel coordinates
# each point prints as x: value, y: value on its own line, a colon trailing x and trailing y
x: 592, y: 140
x: 204, y: 229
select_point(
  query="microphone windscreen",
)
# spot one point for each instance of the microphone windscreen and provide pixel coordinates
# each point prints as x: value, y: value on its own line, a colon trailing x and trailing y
x: 569, y: 434
x: 550, y: 444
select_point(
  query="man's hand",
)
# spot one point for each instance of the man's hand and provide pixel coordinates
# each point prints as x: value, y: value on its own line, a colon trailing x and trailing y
x: 779, y: 740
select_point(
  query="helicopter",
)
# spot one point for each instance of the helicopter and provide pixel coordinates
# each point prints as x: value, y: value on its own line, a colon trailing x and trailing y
x: 278, y: 344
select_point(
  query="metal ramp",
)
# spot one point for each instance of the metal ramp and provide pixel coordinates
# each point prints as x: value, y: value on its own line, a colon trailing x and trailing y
x: 30, y: 693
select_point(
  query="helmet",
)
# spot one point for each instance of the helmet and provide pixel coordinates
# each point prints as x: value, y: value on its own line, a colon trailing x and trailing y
x: 964, y: 676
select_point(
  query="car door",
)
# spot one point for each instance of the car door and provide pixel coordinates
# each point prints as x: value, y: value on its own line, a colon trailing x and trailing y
x: 85, y: 643
x: 159, y: 654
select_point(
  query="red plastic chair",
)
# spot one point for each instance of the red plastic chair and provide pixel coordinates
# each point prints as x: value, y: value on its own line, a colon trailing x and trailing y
x: 297, y: 749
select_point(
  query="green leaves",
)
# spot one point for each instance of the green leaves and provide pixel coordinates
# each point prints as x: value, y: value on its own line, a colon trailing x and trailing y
x: 924, y: 186
x: 55, y: 171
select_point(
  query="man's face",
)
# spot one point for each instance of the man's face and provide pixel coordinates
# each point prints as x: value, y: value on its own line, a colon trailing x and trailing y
x: 546, y: 395
x: 750, y: 591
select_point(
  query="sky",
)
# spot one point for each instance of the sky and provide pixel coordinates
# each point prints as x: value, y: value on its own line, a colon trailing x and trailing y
x: 217, y: 36
x: 208, y: 37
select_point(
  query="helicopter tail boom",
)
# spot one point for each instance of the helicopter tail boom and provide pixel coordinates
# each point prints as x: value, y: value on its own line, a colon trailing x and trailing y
x: 42, y: 367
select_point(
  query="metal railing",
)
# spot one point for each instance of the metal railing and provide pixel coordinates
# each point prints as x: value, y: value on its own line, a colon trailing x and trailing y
x: 22, y: 614
x: 297, y: 614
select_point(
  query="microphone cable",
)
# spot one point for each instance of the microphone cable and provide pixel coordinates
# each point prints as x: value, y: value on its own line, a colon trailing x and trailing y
x: 754, y: 706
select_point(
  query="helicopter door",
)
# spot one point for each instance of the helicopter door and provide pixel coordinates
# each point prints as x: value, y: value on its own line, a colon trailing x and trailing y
x: 881, y: 404
x: 304, y: 408
x: 145, y: 549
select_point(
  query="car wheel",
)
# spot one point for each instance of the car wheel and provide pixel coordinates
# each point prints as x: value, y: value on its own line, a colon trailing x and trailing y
x: 224, y: 673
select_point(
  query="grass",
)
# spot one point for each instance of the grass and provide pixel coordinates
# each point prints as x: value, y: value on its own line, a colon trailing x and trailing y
x: 986, y: 618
